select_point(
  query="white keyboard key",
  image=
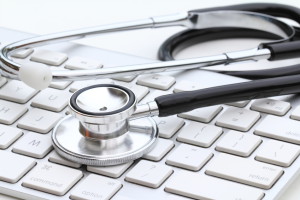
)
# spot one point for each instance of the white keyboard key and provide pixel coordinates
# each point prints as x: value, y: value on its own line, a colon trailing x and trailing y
x: 296, y: 113
x: 199, y: 134
x: 49, y: 57
x: 61, y: 85
x: 10, y: 112
x: 33, y: 145
x: 17, y: 91
x: 51, y: 99
x: 156, y: 81
x: 278, y: 153
x: 95, y: 187
x: 161, y: 148
x: 271, y: 106
x: 168, y: 126
x: 81, y: 84
x: 55, y: 158
x: 52, y: 178
x: 238, y: 118
x: 22, y: 53
x: 8, y: 135
x: 205, y: 114
x: 243, y: 170
x: 3, y: 80
x: 201, y: 186
x: 239, y: 104
x: 189, y: 157
x: 183, y: 86
x: 279, y: 128
x: 125, y: 78
x: 14, y: 166
x: 139, y: 91
x: 111, y: 171
x: 38, y: 120
x: 149, y: 174
x: 241, y: 144
x: 82, y: 63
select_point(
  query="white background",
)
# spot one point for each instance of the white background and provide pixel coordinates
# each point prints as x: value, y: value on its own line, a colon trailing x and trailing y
x: 42, y: 17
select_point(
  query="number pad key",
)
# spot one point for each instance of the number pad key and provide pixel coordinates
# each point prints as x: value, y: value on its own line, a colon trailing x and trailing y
x: 149, y: 174
x: 238, y: 143
x: 52, y: 178
x: 199, y: 134
x: 38, y: 120
x: 34, y: 145
x: 17, y: 91
x: 238, y: 118
x: 278, y: 153
x: 96, y: 187
x: 156, y: 81
x: 189, y: 157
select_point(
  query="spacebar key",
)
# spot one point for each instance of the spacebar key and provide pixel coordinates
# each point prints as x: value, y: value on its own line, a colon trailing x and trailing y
x: 201, y: 186
x: 245, y: 171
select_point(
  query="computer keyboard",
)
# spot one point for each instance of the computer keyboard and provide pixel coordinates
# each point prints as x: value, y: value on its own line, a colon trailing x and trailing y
x: 238, y: 151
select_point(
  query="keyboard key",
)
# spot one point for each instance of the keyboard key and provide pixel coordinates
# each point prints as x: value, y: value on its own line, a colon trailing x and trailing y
x: 156, y: 81
x: 199, y: 134
x: 14, y: 166
x: 149, y: 174
x: 161, y: 148
x: 239, y: 104
x: 189, y: 157
x: 111, y: 171
x: 238, y: 118
x: 201, y: 186
x: 52, y: 178
x: 241, y: 144
x: 278, y: 153
x: 204, y: 115
x: 271, y: 106
x: 38, y: 120
x: 10, y: 112
x: 3, y: 80
x: 33, y: 145
x: 22, y: 53
x: 168, y: 126
x: 81, y: 84
x: 61, y: 85
x: 183, y: 86
x: 95, y: 187
x: 49, y: 57
x: 17, y: 91
x: 51, y: 99
x: 55, y: 158
x: 279, y: 128
x: 8, y: 135
x: 82, y: 63
x: 296, y: 113
x: 139, y: 91
x: 125, y: 78
x: 243, y: 170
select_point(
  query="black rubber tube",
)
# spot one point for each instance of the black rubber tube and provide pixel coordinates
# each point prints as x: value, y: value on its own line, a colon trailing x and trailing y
x: 185, y: 101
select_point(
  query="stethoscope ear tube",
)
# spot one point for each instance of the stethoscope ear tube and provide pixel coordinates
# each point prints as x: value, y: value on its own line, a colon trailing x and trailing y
x: 285, y: 50
x: 185, y: 101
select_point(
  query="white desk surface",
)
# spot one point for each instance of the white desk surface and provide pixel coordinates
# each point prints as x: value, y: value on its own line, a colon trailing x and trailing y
x: 42, y: 17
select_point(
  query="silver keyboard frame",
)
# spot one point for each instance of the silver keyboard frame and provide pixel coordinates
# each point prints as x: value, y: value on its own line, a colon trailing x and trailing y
x: 130, y: 190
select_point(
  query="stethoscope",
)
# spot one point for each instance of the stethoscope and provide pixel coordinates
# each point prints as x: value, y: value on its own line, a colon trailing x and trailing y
x: 107, y: 127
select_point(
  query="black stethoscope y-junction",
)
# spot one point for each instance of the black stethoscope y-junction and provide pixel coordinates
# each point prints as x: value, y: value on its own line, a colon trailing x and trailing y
x: 108, y: 128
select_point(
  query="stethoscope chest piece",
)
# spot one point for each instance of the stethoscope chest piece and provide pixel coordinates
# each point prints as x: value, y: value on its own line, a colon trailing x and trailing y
x: 99, y: 132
